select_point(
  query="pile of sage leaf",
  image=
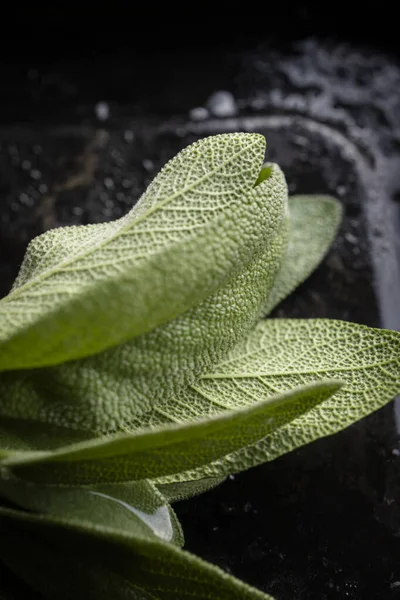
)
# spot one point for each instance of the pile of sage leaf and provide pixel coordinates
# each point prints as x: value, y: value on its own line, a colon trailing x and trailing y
x: 137, y: 368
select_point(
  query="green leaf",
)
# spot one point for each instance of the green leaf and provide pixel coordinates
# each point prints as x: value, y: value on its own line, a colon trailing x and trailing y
x: 314, y: 221
x: 287, y: 353
x: 182, y: 490
x: 84, y: 289
x: 32, y: 437
x: 67, y: 560
x: 169, y: 449
x: 136, y: 507
x: 22, y: 434
x: 106, y: 392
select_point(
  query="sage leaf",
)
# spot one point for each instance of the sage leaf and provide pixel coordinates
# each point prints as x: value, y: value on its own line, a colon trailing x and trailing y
x: 282, y: 353
x: 313, y: 224
x: 84, y: 289
x: 136, y: 507
x: 68, y: 560
x: 170, y: 449
x: 106, y: 392
x: 22, y: 434
x: 182, y: 490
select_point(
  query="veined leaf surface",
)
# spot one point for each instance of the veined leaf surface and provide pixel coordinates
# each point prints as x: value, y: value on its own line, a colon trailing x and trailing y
x: 181, y: 490
x: 137, y: 507
x: 84, y: 289
x: 313, y: 224
x: 169, y: 449
x: 67, y: 560
x: 282, y: 353
x: 106, y: 392
x: 23, y: 434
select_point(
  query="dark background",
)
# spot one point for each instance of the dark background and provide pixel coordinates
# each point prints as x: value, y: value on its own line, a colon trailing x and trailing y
x: 322, y: 82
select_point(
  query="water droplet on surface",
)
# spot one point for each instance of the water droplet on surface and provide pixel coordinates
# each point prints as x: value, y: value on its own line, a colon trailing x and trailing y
x: 258, y: 103
x: 102, y: 111
x: 129, y: 136
x: 222, y: 104
x: 199, y: 113
x: 300, y: 141
x: 35, y: 174
x: 127, y: 183
x: 341, y: 190
x: 148, y: 165
x: 26, y: 200
x: 108, y: 182
x: 350, y: 238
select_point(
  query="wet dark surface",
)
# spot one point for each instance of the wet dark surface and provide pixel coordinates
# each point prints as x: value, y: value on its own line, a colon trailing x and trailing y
x: 323, y: 522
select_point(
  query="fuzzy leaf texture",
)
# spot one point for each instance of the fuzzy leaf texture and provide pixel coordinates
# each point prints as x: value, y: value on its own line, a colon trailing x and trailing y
x: 83, y: 289
x: 136, y: 507
x: 168, y: 449
x: 278, y: 355
x: 313, y: 224
x: 69, y: 558
x: 106, y: 392
x: 182, y: 490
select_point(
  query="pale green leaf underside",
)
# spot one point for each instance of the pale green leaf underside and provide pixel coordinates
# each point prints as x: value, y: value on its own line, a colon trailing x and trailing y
x: 314, y: 221
x: 68, y: 560
x: 24, y: 435
x: 106, y: 392
x: 280, y: 354
x: 170, y: 449
x: 313, y: 224
x: 84, y: 289
x: 134, y: 507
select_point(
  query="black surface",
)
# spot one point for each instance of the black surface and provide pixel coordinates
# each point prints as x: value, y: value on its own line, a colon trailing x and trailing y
x: 323, y: 522
x: 74, y: 29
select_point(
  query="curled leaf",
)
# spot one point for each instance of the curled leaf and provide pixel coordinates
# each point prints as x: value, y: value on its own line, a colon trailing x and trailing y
x: 136, y: 507
x: 106, y: 392
x: 282, y: 353
x: 84, y: 289
x: 182, y: 490
x: 169, y: 449
x: 66, y: 560
x: 313, y: 224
